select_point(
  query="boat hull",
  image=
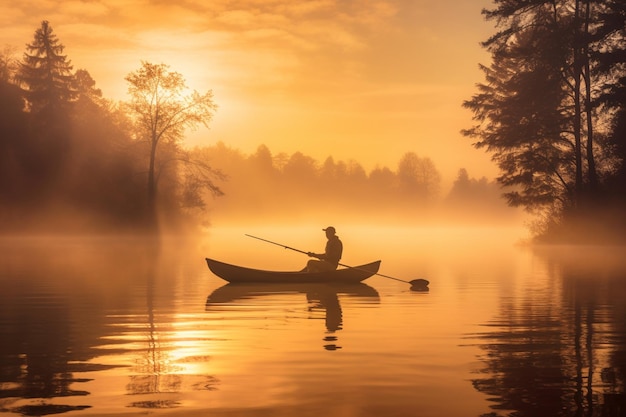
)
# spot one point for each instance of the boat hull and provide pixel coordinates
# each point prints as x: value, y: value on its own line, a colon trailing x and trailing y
x: 237, y: 274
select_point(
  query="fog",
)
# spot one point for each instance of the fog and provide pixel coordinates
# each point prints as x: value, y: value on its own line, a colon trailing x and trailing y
x: 81, y: 170
x: 296, y: 188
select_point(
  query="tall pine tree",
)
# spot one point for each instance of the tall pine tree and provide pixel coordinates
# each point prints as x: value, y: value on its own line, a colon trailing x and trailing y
x: 45, y: 73
x: 45, y: 78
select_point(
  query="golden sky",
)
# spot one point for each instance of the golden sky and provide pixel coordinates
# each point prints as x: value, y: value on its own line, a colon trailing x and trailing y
x: 356, y: 79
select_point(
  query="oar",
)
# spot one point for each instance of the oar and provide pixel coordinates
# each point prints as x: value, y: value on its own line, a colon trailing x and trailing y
x: 420, y: 284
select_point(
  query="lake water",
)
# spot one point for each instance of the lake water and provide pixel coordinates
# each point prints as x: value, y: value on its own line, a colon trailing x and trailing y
x: 130, y: 326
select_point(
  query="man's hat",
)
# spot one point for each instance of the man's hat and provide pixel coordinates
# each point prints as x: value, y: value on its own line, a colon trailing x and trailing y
x: 330, y: 229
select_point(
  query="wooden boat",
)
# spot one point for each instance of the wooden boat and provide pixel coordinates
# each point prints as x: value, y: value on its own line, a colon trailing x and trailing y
x: 234, y: 273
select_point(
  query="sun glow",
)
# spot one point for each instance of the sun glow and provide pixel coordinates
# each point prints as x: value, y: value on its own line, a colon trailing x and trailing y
x: 366, y: 81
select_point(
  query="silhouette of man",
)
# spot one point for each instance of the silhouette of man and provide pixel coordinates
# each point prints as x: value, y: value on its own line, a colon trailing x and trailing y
x: 329, y: 260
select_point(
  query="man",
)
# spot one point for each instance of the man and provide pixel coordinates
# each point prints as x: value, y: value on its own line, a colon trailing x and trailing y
x: 329, y: 260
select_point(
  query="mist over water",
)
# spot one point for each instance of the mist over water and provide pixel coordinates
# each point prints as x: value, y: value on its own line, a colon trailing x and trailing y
x: 125, y: 325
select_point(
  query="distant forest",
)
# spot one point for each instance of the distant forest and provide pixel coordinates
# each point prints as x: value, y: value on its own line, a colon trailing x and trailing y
x: 270, y: 187
x: 73, y: 161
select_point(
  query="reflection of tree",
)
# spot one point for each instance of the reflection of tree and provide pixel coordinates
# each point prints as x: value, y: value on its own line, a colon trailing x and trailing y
x: 546, y: 357
x: 55, y: 319
x: 35, y: 358
x: 52, y: 316
x: 41, y: 350
x: 524, y: 364
x: 155, y: 371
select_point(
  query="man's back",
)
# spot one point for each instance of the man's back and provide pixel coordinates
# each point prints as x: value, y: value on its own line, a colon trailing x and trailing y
x: 334, y: 250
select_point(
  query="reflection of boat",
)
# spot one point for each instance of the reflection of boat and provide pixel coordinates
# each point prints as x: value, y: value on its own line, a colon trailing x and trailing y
x: 230, y: 293
x: 320, y: 296
x: 233, y: 273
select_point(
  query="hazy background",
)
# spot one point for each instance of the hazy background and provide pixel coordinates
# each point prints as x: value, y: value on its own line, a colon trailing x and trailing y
x: 362, y: 80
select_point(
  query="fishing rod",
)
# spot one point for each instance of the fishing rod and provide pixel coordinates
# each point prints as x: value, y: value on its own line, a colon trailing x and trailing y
x: 418, y: 283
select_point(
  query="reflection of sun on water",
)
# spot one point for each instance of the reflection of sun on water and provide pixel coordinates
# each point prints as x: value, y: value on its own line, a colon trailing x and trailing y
x: 192, y: 350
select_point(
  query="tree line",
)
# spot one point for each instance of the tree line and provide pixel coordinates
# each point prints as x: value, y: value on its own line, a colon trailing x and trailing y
x: 552, y: 113
x: 72, y: 160
x: 278, y: 187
